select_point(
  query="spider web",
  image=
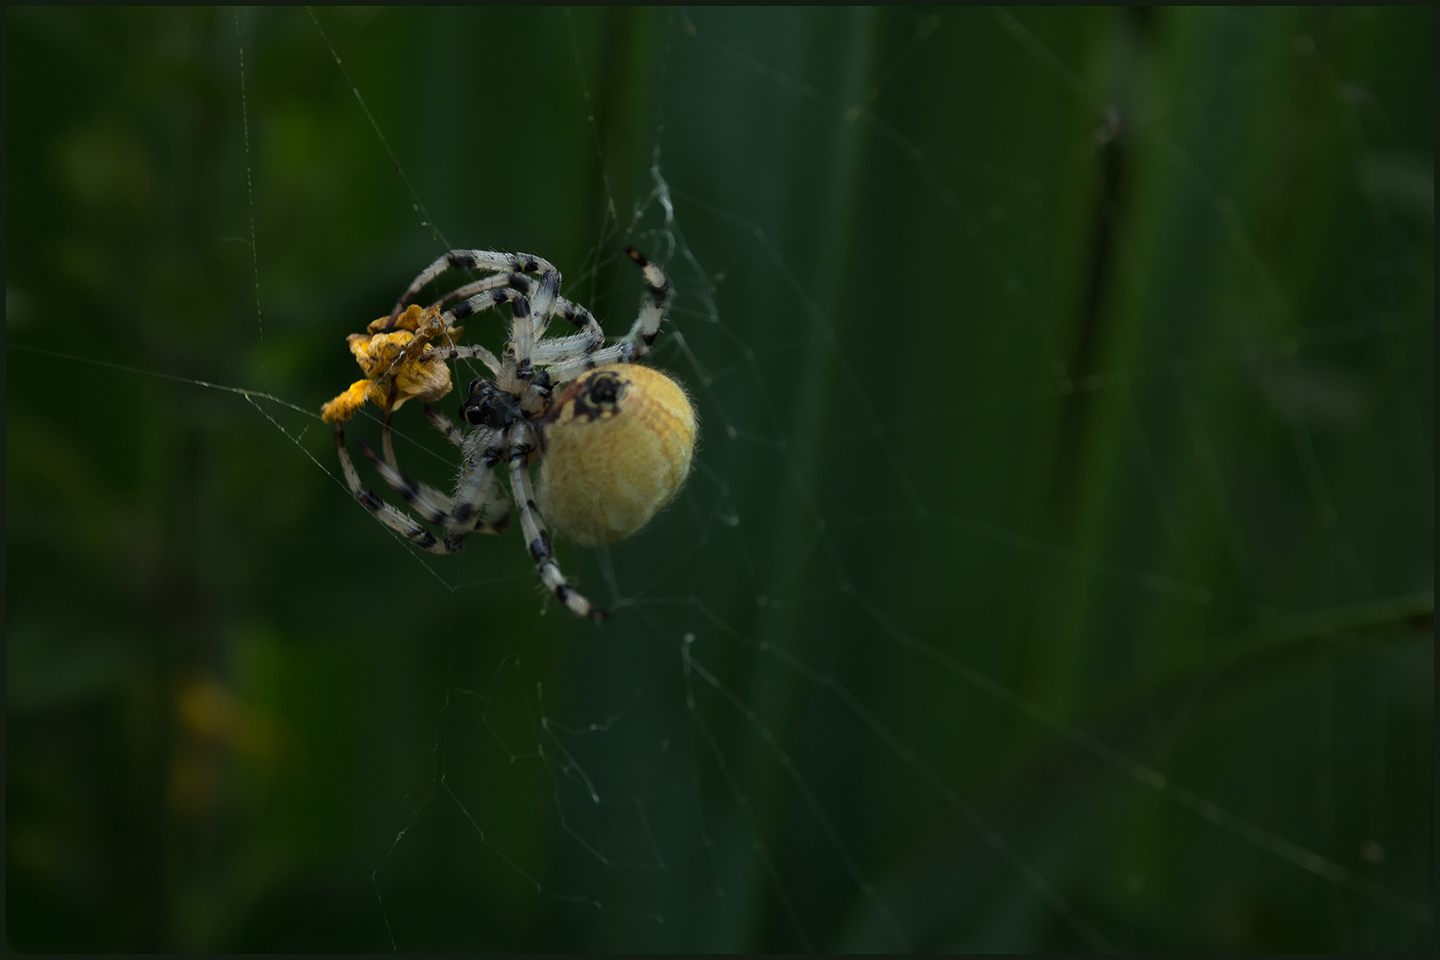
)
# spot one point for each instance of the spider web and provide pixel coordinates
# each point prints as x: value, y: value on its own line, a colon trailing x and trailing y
x: 986, y: 621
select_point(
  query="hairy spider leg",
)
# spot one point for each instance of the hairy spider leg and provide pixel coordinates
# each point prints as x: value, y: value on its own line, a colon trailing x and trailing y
x: 536, y: 536
x: 642, y: 333
x: 463, y: 514
x: 652, y: 304
x: 547, y: 353
x: 496, y: 516
x: 591, y: 337
x: 469, y: 509
x: 469, y: 260
x: 545, y: 304
x: 460, y: 514
x: 542, y: 308
x: 476, y: 507
x: 398, y: 521
x: 589, y: 340
x: 517, y: 280
x: 442, y: 423
x: 470, y: 351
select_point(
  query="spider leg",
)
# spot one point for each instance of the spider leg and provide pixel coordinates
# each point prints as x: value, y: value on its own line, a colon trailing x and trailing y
x: 480, y: 295
x: 542, y: 305
x: 516, y: 280
x: 496, y: 518
x: 589, y: 340
x: 652, y: 304
x: 462, y: 514
x: 442, y: 423
x: 474, y: 509
x: 536, y: 398
x: 496, y: 513
x: 399, y: 522
x: 470, y: 260
x: 431, y: 504
x: 485, y: 299
x: 538, y: 539
x: 570, y: 368
x: 642, y: 333
x: 493, y: 516
x: 419, y: 347
x: 467, y: 352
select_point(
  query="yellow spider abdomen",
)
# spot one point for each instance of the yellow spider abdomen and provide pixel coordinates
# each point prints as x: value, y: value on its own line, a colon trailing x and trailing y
x: 618, y: 443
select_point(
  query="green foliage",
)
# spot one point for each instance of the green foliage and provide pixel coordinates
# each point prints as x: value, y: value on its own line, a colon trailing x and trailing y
x: 1057, y: 574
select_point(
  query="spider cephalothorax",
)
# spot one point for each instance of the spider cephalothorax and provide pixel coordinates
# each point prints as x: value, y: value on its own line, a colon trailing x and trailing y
x: 613, y: 445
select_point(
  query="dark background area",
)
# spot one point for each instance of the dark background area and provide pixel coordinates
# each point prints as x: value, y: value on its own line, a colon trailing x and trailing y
x: 1057, y: 572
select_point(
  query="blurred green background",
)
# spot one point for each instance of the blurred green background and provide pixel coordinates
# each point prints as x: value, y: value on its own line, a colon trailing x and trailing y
x: 1058, y: 569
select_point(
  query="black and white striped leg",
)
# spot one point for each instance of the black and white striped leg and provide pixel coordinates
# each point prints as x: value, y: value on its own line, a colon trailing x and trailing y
x: 459, y: 517
x: 463, y: 513
x: 493, y: 514
x: 642, y: 333
x: 419, y: 348
x: 495, y: 518
x: 565, y: 370
x: 652, y: 303
x: 470, y: 260
x: 442, y: 423
x: 431, y: 504
x: 470, y: 351
x: 571, y: 350
x: 542, y: 313
x: 484, y: 300
x: 538, y: 539
x: 516, y: 281
x: 589, y: 340
x: 543, y: 302
x: 475, y: 502
x: 399, y: 522
x: 536, y: 398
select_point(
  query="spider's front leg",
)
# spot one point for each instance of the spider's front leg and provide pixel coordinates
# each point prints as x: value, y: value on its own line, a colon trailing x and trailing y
x: 536, y: 536
x: 469, y: 260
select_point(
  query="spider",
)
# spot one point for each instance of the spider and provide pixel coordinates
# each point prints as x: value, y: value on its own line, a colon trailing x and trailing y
x: 613, y: 439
